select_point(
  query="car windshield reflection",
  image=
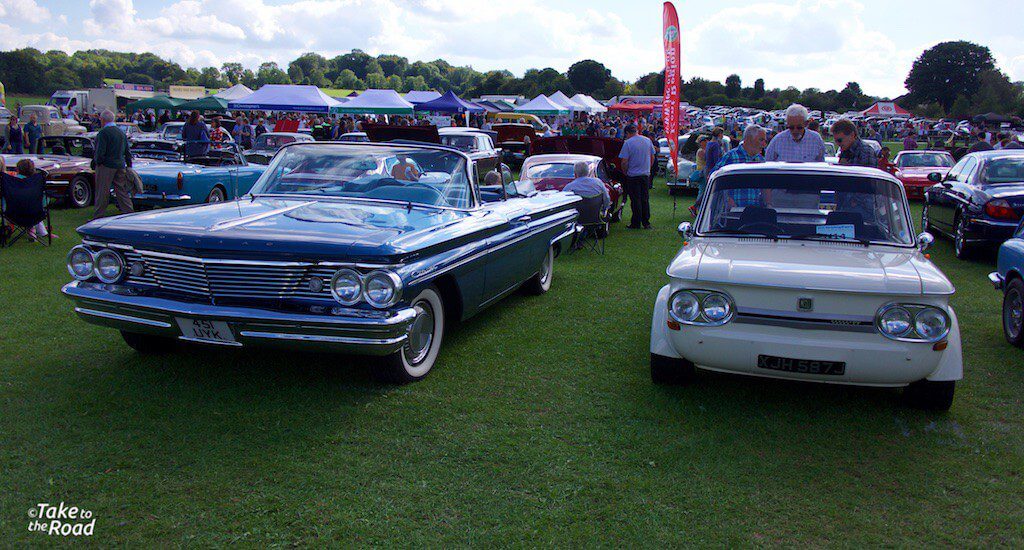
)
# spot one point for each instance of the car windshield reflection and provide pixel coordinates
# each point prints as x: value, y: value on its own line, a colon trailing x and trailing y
x: 921, y: 160
x: 411, y: 175
x: 807, y: 207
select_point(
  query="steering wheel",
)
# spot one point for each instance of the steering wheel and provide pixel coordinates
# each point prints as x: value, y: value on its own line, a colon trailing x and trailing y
x: 761, y: 227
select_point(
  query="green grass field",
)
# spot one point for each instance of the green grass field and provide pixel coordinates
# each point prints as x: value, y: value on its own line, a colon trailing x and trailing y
x: 13, y: 100
x: 540, y: 426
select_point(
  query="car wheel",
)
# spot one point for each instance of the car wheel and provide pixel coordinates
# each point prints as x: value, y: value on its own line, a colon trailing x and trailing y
x: 671, y: 371
x: 80, y: 192
x: 961, y: 247
x: 1013, y: 316
x: 541, y: 282
x: 216, y: 195
x: 148, y: 343
x: 928, y: 395
x: 416, y: 358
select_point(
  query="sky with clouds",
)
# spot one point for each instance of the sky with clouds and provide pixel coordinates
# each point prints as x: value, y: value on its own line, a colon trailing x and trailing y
x: 802, y: 43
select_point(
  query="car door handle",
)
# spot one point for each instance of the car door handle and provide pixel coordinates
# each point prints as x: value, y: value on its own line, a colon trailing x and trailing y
x: 522, y: 220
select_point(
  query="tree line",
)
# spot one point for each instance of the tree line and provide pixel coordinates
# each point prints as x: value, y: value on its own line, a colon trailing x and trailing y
x: 952, y: 78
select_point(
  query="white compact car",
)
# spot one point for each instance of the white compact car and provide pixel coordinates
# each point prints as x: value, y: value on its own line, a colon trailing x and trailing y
x: 808, y: 272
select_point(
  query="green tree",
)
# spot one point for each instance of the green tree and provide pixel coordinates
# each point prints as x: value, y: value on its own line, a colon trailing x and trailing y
x: 270, y: 73
x: 588, y: 76
x: 392, y: 64
x: 758, y: 89
x: 346, y: 80
x: 376, y: 81
x: 414, y: 83
x: 733, y: 85
x: 947, y: 70
x: 232, y: 72
x: 354, y: 61
x: 394, y: 82
x: 961, y: 107
x: 996, y: 94
x: 209, y: 77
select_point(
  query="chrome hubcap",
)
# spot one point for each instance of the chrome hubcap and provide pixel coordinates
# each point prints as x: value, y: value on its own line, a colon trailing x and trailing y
x: 1012, y: 314
x: 421, y: 334
x: 79, y: 192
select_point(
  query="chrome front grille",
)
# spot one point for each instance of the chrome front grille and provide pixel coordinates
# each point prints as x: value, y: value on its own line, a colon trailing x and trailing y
x: 216, y: 278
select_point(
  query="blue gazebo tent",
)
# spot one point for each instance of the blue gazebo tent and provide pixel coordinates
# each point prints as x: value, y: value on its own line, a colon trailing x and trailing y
x: 449, y: 103
x: 285, y: 97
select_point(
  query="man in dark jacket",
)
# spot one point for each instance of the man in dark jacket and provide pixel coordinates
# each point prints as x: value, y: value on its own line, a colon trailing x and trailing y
x: 111, y: 162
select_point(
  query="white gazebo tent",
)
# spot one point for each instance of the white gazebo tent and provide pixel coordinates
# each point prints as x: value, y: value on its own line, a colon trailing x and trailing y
x: 375, y: 102
x: 563, y: 100
x: 592, y: 105
x: 542, y: 106
x: 238, y: 91
x: 419, y: 96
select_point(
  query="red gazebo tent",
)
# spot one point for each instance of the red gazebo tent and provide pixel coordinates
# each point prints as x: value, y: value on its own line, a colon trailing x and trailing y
x: 885, y: 108
x: 633, y: 107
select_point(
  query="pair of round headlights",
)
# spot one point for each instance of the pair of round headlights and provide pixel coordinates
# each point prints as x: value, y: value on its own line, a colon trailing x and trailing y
x: 701, y: 307
x: 106, y: 265
x: 380, y: 289
x: 913, y: 322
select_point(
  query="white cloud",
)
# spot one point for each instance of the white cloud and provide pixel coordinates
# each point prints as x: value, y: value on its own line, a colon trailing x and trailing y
x: 23, y: 10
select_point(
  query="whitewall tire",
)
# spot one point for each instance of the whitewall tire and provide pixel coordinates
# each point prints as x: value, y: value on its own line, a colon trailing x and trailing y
x: 417, y: 357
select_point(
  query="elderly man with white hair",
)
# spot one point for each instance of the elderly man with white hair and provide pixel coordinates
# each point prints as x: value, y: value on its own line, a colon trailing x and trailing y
x: 588, y: 186
x: 111, y: 162
x: 796, y: 143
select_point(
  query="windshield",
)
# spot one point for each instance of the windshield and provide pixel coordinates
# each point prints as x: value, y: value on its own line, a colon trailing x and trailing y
x: 172, y: 131
x: 1004, y: 170
x: 59, y: 101
x: 268, y: 141
x: 921, y: 160
x: 421, y: 176
x: 547, y: 170
x: 462, y: 143
x: 807, y: 206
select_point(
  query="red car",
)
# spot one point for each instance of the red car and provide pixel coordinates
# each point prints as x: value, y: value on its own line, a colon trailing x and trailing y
x: 913, y: 167
x: 552, y: 160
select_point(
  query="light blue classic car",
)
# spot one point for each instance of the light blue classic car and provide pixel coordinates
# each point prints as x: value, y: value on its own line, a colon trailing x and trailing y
x: 219, y: 174
x: 374, y: 248
x: 1009, y: 277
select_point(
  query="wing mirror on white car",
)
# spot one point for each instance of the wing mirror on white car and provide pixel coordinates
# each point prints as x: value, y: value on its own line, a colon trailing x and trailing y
x: 685, y: 229
x: 925, y: 240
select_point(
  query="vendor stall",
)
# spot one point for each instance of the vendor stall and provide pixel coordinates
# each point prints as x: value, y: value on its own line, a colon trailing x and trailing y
x: 285, y: 98
x: 208, y: 103
x: 375, y: 102
x: 157, y: 103
x: 592, y: 105
x: 542, y: 106
x: 234, y: 93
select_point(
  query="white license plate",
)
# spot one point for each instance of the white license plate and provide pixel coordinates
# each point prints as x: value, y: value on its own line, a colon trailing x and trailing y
x: 202, y: 329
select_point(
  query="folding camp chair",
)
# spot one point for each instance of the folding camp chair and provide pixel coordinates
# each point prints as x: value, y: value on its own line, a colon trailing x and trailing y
x: 23, y: 204
x: 591, y: 225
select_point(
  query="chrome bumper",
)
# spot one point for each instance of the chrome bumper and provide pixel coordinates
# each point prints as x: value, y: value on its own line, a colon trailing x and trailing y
x: 352, y: 331
x: 996, y: 279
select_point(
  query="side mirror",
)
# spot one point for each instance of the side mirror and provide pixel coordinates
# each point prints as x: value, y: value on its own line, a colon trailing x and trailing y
x: 685, y: 229
x: 924, y: 241
x: 935, y: 177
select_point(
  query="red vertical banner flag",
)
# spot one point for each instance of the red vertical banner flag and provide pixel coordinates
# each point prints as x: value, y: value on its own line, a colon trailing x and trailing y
x: 670, y: 99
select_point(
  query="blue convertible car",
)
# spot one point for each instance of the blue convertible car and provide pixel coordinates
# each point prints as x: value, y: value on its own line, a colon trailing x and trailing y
x: 220, y: 173
x: 362, y: 247
x: 1009, y: 277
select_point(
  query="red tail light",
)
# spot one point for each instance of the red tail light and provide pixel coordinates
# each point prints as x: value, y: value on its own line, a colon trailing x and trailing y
x: 181, y: 181
x: 1001, y: 210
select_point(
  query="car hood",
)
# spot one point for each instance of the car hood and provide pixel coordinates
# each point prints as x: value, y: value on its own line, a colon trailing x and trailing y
x: 811, y: 265
x: 292, y: 228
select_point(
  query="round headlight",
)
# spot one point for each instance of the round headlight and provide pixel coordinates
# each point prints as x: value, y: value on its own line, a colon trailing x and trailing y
x: 895, y: 322
x: 347, y: 286
x: 382, y: 289
x: 931, y: 324
x: 80, y: 263
x: 109, y: 266
x: 685, y: 306
x: 716, y: 308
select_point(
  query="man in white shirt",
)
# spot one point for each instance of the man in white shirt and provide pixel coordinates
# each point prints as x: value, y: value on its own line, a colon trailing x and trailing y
x: 796, y: 143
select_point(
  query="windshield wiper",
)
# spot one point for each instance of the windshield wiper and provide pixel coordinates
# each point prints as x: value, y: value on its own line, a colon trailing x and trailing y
x: 831, y: 238
x: 741, y: 233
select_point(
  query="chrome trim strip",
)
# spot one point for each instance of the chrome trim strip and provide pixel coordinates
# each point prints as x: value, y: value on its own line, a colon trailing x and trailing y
x: 257, y: 217
x: 806, y: 316
x: 803, y: 325
x: 119, y: 317
x: 323, y: 339
x: 161, y: 197
x: 996, y: 279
